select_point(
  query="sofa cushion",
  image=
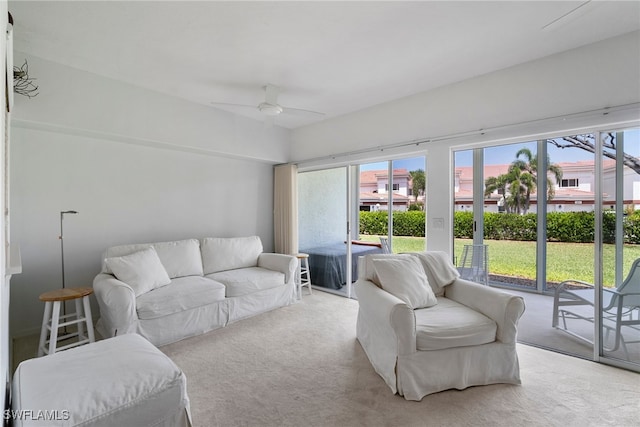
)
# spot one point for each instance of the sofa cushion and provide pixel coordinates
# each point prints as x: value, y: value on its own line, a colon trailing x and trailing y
x: 179, y: 258
x: 248, y: 280
x: 141, y: 270
x: 220, y: 254
x: 451, y: 324
x: 183, y: 293
x: 405, y: 278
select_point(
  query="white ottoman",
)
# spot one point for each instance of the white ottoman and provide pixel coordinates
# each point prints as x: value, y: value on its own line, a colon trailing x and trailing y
x: 120, y: 381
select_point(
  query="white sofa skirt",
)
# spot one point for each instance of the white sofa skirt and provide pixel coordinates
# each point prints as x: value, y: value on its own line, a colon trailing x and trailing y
x: 265, y: 300
x: 184, y: 324
x: 121, y: 381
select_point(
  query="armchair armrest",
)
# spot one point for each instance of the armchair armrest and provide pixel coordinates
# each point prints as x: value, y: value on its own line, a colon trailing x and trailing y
x: 117, y: 303
x: 390, y: 318
x: 286, y: 264
x: 503, y: 308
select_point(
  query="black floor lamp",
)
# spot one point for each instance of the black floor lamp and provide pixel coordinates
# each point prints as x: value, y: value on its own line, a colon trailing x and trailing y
x: 62, y: 214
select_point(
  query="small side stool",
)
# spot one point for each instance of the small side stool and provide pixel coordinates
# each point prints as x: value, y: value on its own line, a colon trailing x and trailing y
x: 52, y: 321
x: 303, y: 276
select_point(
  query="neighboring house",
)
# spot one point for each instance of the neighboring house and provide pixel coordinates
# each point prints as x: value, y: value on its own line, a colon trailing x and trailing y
x: 575, y: 192
x: 374, y: 190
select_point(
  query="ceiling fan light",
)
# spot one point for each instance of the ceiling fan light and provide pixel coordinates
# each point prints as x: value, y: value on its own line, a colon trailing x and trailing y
x: 270, y: 109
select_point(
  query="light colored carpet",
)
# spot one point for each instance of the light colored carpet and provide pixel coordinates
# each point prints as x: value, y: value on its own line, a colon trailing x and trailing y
x: 302, y: 366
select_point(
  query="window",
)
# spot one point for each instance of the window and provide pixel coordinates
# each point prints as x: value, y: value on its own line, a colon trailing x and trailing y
x: 565, y: 183
x: 396, y: 187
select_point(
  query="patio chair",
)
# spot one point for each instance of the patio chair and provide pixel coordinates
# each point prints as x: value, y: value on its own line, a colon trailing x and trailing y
x: 384, y: 241
x: 474, y: 265
x: 620, y: 307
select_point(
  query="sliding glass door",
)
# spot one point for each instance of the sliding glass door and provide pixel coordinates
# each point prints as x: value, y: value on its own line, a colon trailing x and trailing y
x: 348, y: 212
x: 391, y: 202
x: 323, y: 213
x: 494, y: 215
x: 568, y: 221
x: 620, y: 224
x: 560, y: 219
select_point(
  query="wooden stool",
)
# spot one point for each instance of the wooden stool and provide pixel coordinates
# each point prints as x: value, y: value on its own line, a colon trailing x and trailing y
x: 303, y: 276
x: 52, y: 321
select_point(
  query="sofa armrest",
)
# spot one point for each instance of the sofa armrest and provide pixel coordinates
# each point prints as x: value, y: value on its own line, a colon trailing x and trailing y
x: 286, y: 264
x: 503, y: 308
x: 387, y: 315
x: 117, y: 302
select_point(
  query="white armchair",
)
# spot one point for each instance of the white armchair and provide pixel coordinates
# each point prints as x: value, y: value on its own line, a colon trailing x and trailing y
x: 468, y: 338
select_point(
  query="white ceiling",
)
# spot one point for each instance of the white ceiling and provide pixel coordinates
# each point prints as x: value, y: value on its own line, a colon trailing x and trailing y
x: 333, y: 57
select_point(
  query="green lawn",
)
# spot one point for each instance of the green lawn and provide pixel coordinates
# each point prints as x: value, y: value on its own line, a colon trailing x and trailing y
x: 518, y: 259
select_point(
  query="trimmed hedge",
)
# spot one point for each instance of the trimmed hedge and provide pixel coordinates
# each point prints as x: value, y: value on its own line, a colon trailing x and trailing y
x: 409, y: 223
x: 574, y: 227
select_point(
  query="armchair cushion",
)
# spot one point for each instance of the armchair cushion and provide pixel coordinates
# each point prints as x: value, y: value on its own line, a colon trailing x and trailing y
x: 141, y: 270
x: 367, y: 269
x: 405, y: 278
x: 440, y: 270
x: 450, y: 324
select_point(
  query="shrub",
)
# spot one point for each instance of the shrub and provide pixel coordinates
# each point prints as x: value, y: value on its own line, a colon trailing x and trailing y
x: 632, y: 228
x: 410, y: 223
x: 374, y: 223
x: 573, y: 227
x: 463, y: 225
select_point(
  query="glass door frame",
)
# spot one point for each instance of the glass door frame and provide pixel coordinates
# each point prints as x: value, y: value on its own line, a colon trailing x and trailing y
x: 599, y: 354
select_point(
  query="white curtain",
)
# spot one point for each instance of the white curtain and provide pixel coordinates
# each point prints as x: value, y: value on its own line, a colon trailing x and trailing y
x: 285, y: 209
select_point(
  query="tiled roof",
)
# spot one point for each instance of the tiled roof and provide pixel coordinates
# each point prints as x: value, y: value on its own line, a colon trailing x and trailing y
x: 372, y: 176
x: 382, y: 197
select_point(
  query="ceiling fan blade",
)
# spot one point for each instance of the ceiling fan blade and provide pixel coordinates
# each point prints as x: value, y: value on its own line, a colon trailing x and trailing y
x: 230, y: 104
x: 271, y: 94
x: 301, y: 112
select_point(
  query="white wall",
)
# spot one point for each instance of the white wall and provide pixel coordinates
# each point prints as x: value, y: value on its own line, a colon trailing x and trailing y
x: 5, y: 357
x: 604, y: 74
x: 322, y: 210
x: 138, y: 167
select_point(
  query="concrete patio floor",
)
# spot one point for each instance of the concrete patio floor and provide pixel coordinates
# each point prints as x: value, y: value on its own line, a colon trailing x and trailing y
x: 535, y: 328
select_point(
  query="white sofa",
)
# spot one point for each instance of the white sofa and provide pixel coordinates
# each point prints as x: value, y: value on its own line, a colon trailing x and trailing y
x: 463, y: 335
x: 173, y: 290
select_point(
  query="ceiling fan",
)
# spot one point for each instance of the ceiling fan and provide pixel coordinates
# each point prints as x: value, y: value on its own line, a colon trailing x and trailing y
x: 270, y: 107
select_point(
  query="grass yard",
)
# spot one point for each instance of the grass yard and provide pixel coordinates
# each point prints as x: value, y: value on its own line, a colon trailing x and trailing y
x: 518, y: 259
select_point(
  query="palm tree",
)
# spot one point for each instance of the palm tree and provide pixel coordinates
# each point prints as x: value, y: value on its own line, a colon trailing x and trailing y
x: 513, y: 185
x: 521, y: 181
x: 418, y: 183
x: 521, y: 184
x: 500, y: 184
x: 529, y: 164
